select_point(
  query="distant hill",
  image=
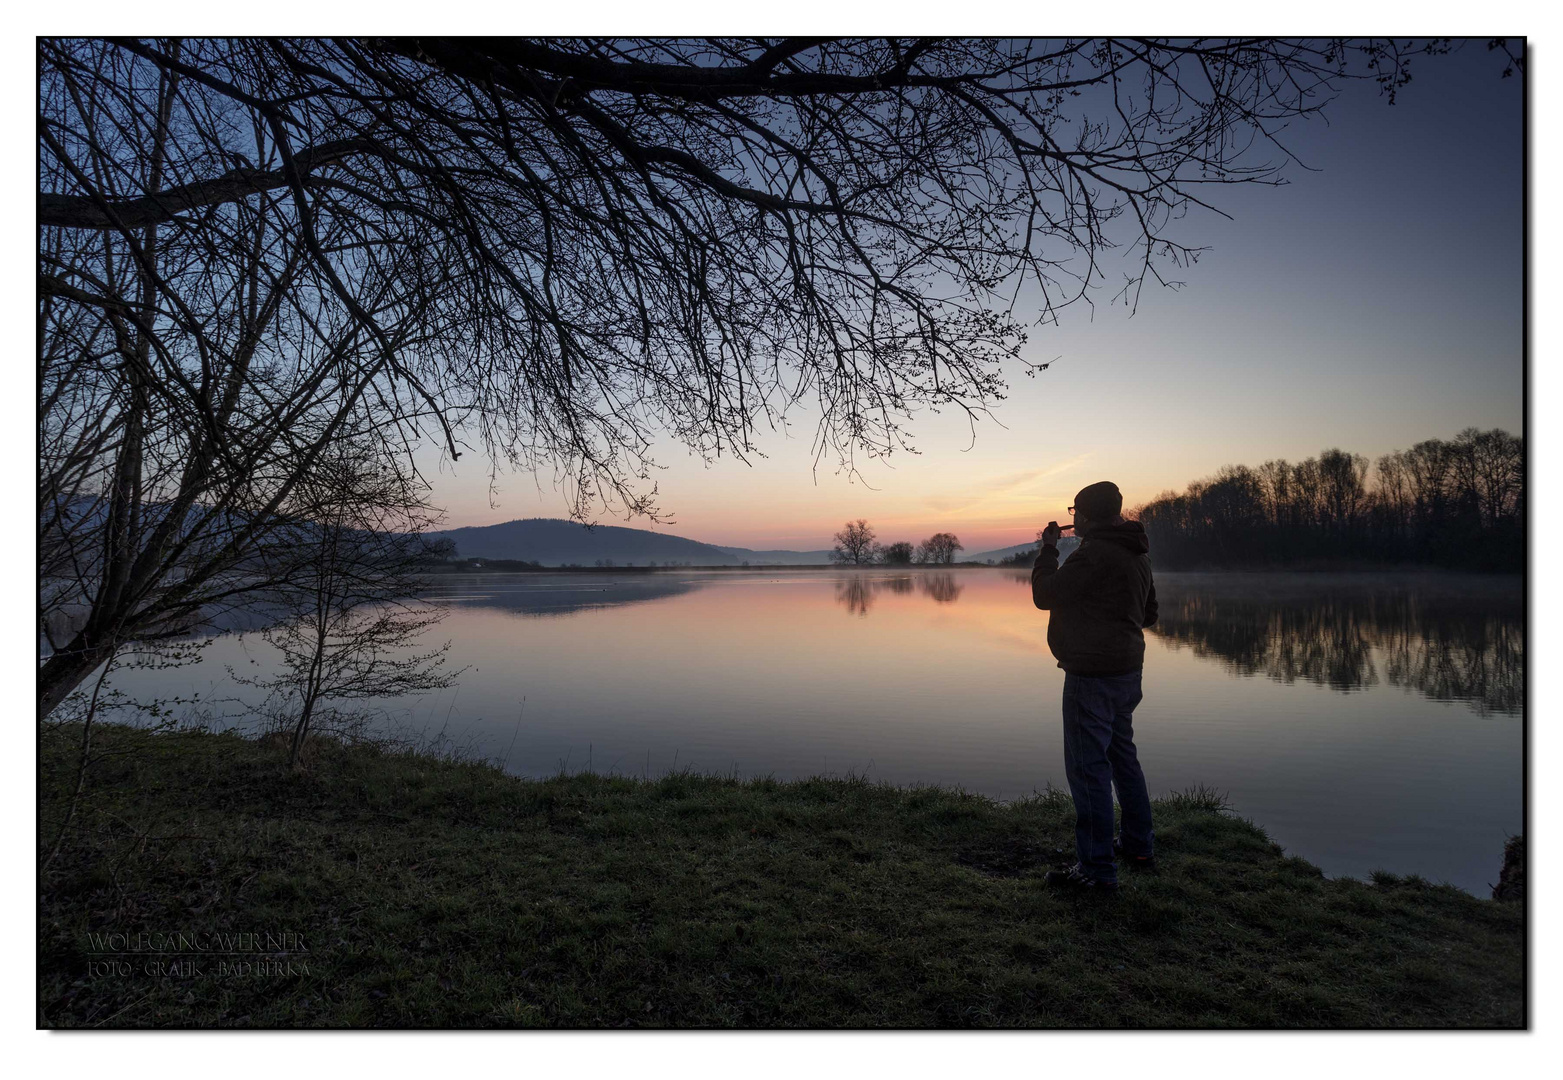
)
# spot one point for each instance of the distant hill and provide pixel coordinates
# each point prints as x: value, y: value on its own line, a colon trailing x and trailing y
x: 556, y: 542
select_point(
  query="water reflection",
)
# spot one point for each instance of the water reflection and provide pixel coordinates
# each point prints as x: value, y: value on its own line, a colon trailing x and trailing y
x: 1467, y: 647
x: 544, y: 595
x: 651, y: 672
x: 941, y: 588
x: 858, y: 591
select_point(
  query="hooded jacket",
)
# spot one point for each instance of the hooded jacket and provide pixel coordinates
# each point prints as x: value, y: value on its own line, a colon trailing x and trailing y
x: 1100, y: 599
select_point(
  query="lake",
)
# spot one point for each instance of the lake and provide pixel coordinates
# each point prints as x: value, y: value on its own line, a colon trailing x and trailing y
x: 1366, y: 722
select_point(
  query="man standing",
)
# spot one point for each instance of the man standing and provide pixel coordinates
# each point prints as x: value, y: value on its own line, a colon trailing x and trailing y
x: 1100, y: 599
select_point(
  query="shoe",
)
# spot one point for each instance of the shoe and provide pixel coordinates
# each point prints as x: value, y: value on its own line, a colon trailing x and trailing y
x: 1137, y: 863
x: 1078, y: 881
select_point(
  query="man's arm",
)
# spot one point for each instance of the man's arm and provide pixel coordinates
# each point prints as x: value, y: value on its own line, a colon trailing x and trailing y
x: 1151, y: 607
x: 1053, y: 585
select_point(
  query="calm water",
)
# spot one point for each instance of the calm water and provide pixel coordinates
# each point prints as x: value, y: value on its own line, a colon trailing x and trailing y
x: 1365, y: 723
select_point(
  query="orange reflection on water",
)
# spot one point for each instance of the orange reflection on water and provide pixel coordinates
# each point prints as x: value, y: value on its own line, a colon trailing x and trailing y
x: 788, y: 625
x: 1367, y: 724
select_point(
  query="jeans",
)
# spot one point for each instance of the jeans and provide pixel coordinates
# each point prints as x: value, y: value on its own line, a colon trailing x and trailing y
x: 1099, y: 754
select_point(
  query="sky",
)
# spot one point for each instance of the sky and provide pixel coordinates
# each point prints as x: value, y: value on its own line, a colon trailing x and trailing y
x: 1374, y: 301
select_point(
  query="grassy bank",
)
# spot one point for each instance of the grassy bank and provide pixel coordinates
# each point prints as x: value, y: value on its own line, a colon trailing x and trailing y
x: 431, y: 893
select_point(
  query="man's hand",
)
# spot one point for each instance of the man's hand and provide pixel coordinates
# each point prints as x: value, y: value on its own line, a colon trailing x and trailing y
x: 1049, y: 536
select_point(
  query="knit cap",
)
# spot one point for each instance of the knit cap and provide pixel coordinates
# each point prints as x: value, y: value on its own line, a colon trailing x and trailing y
x: 1100, y: 502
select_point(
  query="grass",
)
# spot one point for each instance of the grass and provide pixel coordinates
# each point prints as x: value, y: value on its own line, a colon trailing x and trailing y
x: 445, y: 894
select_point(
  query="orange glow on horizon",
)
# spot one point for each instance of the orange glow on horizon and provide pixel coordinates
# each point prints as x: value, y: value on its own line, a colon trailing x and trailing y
x: 984, y: 522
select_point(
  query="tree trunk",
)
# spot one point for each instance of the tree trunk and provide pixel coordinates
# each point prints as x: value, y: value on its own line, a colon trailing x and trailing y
x: 83, y: 759
x: 299, y: 731
x: 67, y: 669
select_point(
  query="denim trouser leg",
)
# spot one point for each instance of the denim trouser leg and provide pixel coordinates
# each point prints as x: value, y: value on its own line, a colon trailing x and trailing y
x: 1099, y: 754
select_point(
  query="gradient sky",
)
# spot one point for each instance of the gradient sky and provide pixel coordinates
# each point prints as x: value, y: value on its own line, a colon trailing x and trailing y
x: 1368, y: 305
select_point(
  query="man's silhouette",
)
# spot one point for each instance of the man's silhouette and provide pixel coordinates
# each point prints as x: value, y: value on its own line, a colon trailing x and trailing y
x: 1100, y: 599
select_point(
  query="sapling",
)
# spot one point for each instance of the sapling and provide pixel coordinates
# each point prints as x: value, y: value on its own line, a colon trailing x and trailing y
x: 348, y: 623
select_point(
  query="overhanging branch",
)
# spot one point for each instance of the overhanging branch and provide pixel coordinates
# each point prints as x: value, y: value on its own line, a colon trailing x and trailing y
x: 85, y: 212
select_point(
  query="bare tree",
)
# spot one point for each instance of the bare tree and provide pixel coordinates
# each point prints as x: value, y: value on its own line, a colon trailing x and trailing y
x: 1427, y: 465
x: 349, y: 623
x: 897, y: 554
x: 1392, y: 499
x: 1343, y: 478
x: 191, y: 370
x: 250, y: 249
x: 1275, y: 485
x: 1486, y: 472
x: 854, y: 543
x: 939, y: 548
x: 1498, y: 460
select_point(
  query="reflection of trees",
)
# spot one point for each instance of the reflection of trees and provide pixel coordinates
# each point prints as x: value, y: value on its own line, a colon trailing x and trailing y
x: 858, y: 591
x: 1449, y: 649
x: 941, y: 588
x: 1322, y: 643
x: 1484, y: 664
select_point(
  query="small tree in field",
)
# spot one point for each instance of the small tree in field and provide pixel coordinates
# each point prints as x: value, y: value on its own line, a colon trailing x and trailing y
x: 939, y: 548
x: 854, y: 543
x: 349, y: 622
x: 899, y: 554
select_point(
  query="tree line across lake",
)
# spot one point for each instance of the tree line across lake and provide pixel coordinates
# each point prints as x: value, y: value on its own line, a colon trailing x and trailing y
x: 1457, y: 503
x: 856, y: 545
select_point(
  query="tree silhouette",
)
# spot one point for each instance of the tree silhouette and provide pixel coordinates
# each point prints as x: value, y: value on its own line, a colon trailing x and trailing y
x: 556, y: 249
x: 350, y: 622
x: 1458, y: 502
x: 939, y: 548
x: 854, y: 543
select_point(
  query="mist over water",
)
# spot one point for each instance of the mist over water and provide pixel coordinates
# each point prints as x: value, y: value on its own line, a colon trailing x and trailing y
x: 1365, y: 722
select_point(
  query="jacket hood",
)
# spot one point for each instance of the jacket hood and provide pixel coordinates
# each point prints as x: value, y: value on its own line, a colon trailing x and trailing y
x: 1126, y: 534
